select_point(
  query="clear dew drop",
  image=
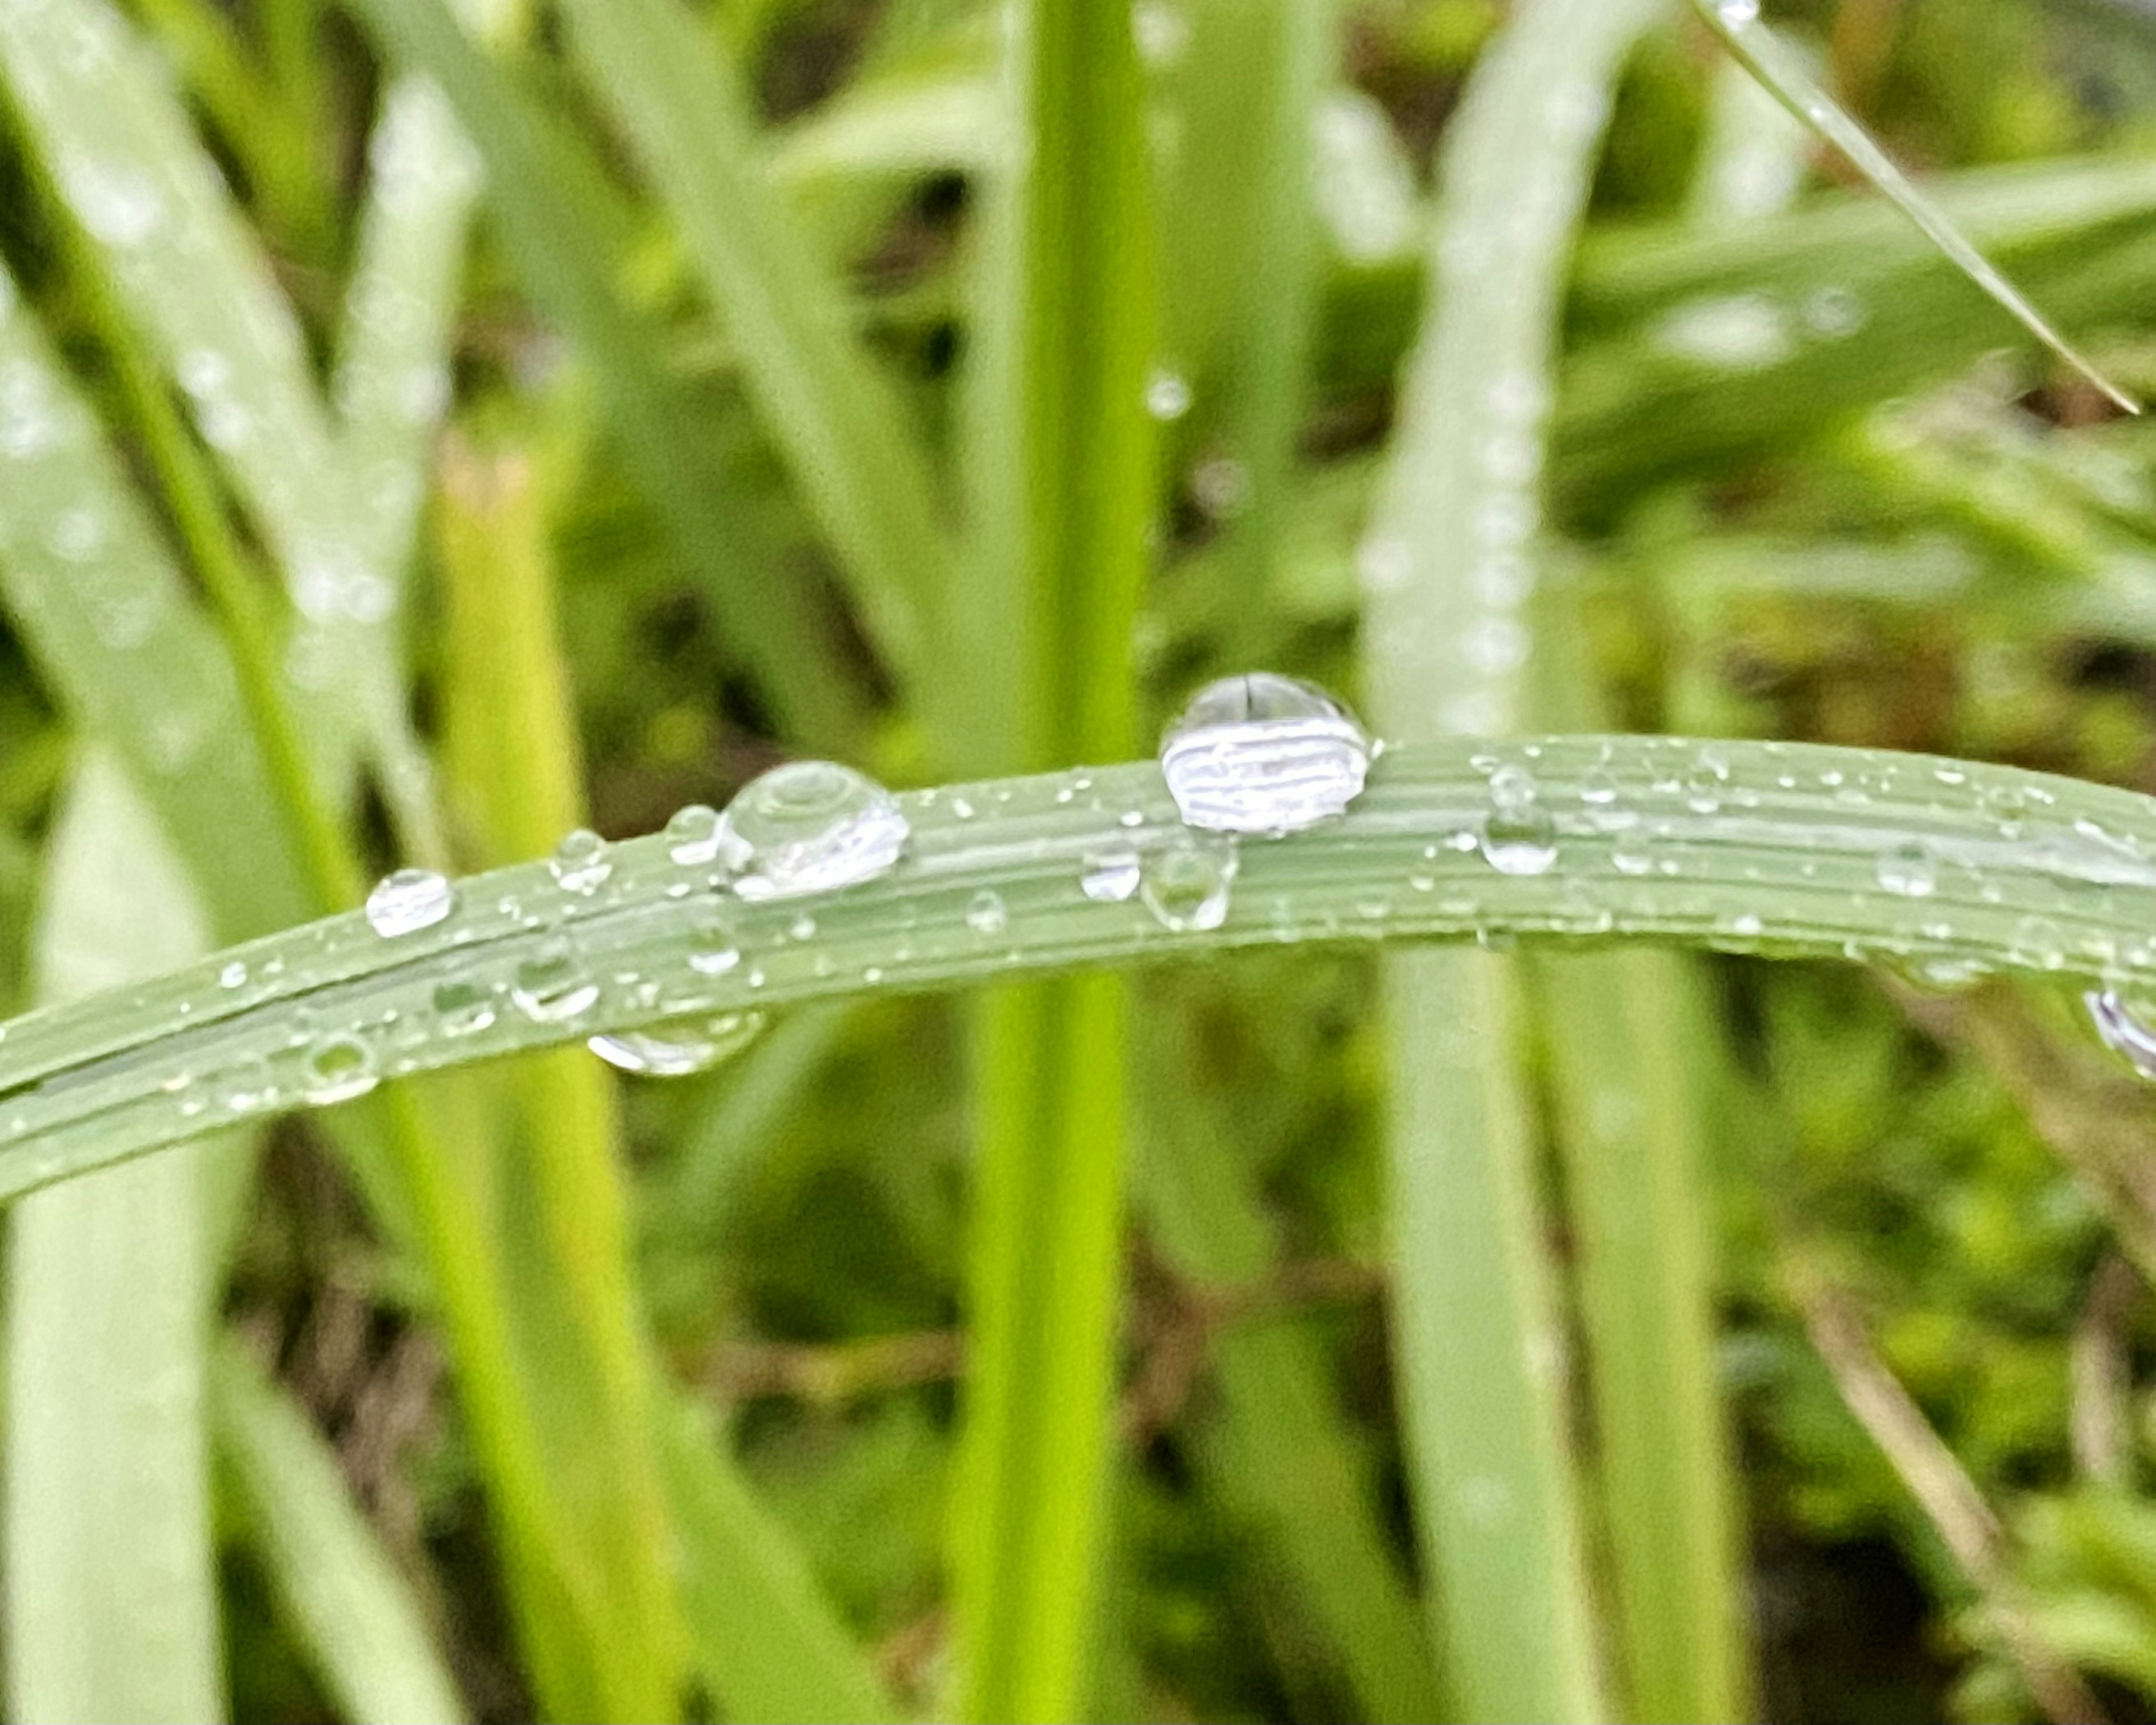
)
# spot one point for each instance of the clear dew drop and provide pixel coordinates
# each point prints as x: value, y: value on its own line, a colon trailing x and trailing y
x: 1518, y: 835
x: 581, y: 863
x: 408, y: 900
x: 462, y: 1007
x: 339, y: 1068
x: 2123, y: 1031
x: 810, y: 826
x: 692, y: 835
x: 232, y: 976
x: 552, y: 985
x: 1111, y: 876
x: 985, y: 914
x: 1187, y: 882
x: 713, y: 947
x: 1264, y: 753
x: 679, y: 1047
x: 1907, y: 869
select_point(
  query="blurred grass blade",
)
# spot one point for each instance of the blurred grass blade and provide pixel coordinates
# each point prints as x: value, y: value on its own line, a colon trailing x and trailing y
x: 561, y: 224
x: 353, y: 1612
x: 110, y: 623
x: 1445, y: 568
x: 112, y: 1609
x: 1058, y: 455
x: 770, y: 1644
x: 673, y: 91
x: 1736, y: 22
x: 1274, y: 1447
x: 1754, y: 156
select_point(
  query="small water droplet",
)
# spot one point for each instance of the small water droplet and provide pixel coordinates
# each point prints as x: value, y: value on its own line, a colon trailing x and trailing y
x: 552, y: 984
x: 2038, y: 943
x: 692, y: 835
x: 339, y: 1068
x: 808, y: 827
x: 1518, y: 835
x: 1187, y: 882
x: 713, y: 950
x: 463, y: 1007
x: 232, y: 976
x: 1265, y: 754
x: 1907, y: 868
x: 1708, y: 778
x: 580, y: 863
x: 802, y: 927
x: 1167, y: 395
x: 678, y: 1047
x: 986, y: 915
x: 248, y: 1086
x: 1111, y: 875
x: 408, y: 900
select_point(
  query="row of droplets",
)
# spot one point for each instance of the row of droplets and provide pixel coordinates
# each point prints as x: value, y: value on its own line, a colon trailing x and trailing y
x: 1253, y: 755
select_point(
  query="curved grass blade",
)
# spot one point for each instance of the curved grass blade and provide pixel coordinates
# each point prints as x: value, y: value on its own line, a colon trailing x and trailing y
x: 354, y: 1614
x: 1738, y: 24
x: 112, y: 1609
x: 860, y: 466
x: 1446, y: 566
x: 2030, y: 874
x: 560, y: 222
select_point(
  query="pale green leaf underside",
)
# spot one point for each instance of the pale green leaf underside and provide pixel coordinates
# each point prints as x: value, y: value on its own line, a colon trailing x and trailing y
x: 1768, y: 846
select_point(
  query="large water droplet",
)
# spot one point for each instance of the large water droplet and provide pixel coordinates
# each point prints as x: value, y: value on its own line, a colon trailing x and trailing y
x: 1264, y: 753
x: 1518, y: 835
x: 339, y: 1068
x: 1185, y: 883
x: 679, y: 1046
x: 692, y: 835
x: 2123, y: 1031
x: 580, y: 864
x: 552, y: 984
x: 407, y: 900
x: 808, y: 827
x: 1907, y: 868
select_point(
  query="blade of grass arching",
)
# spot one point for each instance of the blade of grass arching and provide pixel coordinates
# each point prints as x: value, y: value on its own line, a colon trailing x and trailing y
x: 99, y: 112
x: 1275, y: 1451
x: 2033, y: 876
x: 1626, y: 1036
x: 1736, y: 22
x: 1239, y: 241
x: 352, y: 1612
x: 112, y: 1587
x: 561, y: 223
x: 860, y: 468
x: 1058, y: 456
x: 1446, y: 567
x: 518, y: 768
x: 773, y: 1648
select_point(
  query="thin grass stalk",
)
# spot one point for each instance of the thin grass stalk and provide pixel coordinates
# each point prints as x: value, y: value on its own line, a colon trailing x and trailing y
x: 1446, y: 567
x: 1058, y: 467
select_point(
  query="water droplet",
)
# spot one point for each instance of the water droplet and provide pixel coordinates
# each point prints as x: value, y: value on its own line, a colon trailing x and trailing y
x: 1111, y: 876
x: 77, y: 534
x: 1187, y: 882
x: 248, y: 1086
x: 808, y: 827
x: 679, y: 1046
x: 1264, y: 753
x: 552, y: 984
x: 1706, y: 781
x: 462, y: 1008
x: 712, y: 948
x: 407, y: 900
x: 692, y: 835
x: 2123, y: 1031
x: 1167, y: 395
x: 117, y: 202
x: 580, y: 864
x: 1160, y: 30
x: 1908, y: 869
x: 1220, y: 486
x: 802, y: 927
x: 1518, y: 835
x: 338, y: 1069
x: 2038, y: 943
x: 232, y: 976
x: 985, y: 915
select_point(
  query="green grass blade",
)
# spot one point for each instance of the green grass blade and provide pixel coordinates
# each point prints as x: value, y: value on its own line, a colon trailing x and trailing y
x: 1275, y: 1450
x: 560, y: 222
x: 1058, y: 474
x: 111, y: 625
x: 112, y: 1609
x: 1446, y: 567
x: 339, y: 1590
x: 772, y: 1647
x: 676, y: 93
x: 1736, y: 22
